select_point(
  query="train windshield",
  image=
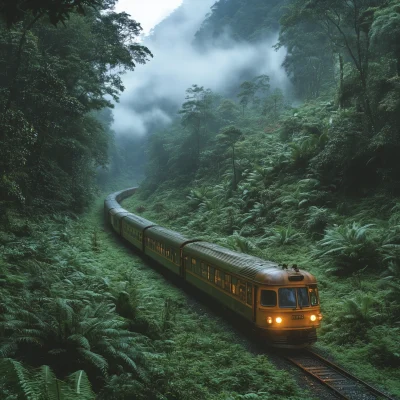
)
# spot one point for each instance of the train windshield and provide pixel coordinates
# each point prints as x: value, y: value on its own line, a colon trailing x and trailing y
x: 287, y: 297
x: 313, y: 292
x: 291, y: 297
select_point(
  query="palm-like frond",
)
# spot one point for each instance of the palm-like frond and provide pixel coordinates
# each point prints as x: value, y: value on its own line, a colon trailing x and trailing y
x: 42, y: 384
x: 347, y: 247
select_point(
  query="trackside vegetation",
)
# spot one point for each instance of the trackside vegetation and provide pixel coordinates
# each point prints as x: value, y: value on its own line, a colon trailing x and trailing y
x: 316, y: 184
x: 305, y: 173
x: 83, y: 317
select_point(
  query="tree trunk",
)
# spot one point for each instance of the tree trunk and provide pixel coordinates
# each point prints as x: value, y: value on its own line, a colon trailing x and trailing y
x: 234, y: 168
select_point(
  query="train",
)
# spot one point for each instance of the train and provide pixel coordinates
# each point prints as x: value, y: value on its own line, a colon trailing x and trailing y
x: 280, y: 302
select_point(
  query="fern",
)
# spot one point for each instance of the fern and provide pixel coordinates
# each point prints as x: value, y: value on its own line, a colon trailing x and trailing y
x: 241, y: 244
x: 347, y: 248
x: 280, y: 236
x: 42, y: 384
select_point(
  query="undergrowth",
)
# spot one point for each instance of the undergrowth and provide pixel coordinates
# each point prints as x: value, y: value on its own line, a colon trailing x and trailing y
x: 285, y: 206
x: 77, y: 302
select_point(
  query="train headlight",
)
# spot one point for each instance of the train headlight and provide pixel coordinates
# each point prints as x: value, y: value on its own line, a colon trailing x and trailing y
x: 319, y: 317
x: 269, y: 320
x: 278, y: 320
x: 313, y: 318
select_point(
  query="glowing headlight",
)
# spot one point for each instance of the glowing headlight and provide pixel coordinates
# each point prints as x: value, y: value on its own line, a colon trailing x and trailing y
x: 313, y: 318
x: 269, y: 320
x: 278, y: 320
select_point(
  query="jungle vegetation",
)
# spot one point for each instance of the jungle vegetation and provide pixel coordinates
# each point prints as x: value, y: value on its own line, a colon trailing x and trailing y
x: 316, y: 184
x: 313, y: 181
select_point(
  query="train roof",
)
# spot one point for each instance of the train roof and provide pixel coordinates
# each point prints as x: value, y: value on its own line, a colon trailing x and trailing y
x: 167, y: 236
x: 249, y: 267
x: 138, y: 221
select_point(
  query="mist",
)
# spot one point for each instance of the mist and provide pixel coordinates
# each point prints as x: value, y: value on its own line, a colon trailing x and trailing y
x: 155, y: 91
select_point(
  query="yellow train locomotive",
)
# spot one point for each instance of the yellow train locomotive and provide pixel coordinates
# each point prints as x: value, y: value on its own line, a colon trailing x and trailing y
x: 281, y: 303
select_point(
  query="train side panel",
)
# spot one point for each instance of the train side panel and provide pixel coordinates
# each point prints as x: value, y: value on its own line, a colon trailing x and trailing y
x: 116, y: 216
x: 133, y: 228
x: 230, y: 290
x: 164, y: 246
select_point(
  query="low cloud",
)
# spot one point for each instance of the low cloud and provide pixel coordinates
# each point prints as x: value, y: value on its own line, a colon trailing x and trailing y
x: 155, y: 91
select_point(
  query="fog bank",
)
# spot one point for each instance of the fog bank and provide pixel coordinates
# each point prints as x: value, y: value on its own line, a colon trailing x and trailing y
x: 155, y: 91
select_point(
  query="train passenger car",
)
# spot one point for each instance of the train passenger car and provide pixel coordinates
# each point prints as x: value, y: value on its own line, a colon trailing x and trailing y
x: 113, y: 211
x: 132, y: 229
x: 283, y: 304
x: 165, y: 246
x: 116, y: 216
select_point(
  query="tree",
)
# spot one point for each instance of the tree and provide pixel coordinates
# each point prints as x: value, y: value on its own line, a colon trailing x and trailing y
x: 385, y: 31
x: 250, y: 89
x: 347, y: 24
x: 50, y: 142
x: 13, y: 11
x: 274, y: 103
x: 228, y: 110
x: 196, y: 112
x: 229, y: 137
x: 308, y: 62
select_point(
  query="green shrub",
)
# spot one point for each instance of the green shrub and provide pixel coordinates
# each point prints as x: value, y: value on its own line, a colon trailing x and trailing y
x: 159, y: 207
x: 41, y: 383
x: 240, y: 243
x: 140, y: 209
x: 317, y: 219
x: 347, y: 248
x: 281, y: 235
x: 383, y: 347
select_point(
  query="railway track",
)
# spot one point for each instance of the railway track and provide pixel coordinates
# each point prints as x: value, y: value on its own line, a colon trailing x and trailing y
x: 341, y: 382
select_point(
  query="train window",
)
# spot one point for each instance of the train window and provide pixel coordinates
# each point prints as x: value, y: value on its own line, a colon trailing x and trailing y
x: 268, y: 298
x: 193, y: 265
x: 242, y: 291
x: 211, y: 274
x: 174, y: 257
x: 287, y: 298
x: 204, y: 271
x: 302, y: 297
x: 249, y: 294
x: 218, y: 280
x: 222, y: 276
x: 227, y: 285
x: 186, y: 262
x: 234, y: 289
x: 167, y: 253
x: 313, y: 292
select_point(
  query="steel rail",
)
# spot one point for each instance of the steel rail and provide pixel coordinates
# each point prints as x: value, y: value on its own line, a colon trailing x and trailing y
x: 334, y: 377
x: 351, y: 376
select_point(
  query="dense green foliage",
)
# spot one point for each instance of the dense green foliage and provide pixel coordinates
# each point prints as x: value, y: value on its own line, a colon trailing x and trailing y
x: 249, y: 20
x: 52, y: 82
x: 81, y: 313
x: 316, y: 185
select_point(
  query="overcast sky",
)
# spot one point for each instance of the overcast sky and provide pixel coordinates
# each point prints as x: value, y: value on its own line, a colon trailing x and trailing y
x: 148, y: 12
